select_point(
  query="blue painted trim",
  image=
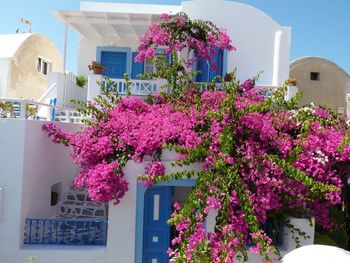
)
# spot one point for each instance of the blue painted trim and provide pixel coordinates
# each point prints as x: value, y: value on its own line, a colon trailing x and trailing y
x: 140, y: 200
x: 224, y: 62
x: 94, y: 232
x: 99, y: 50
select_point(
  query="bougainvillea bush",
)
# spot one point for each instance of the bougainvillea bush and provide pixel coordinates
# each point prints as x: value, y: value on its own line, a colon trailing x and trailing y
x: 262, y: 158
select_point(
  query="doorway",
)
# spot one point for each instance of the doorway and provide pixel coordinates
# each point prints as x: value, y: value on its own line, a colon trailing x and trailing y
x: 157, y: 207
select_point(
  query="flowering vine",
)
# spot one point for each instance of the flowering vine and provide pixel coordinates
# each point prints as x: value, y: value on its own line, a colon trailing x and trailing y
x: 201, y: 40
x: 262, y: 156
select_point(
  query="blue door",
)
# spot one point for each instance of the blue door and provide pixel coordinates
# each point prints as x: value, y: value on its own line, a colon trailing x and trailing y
x: 156, y: 231
x: 115, y: 62
x: 208, y: 74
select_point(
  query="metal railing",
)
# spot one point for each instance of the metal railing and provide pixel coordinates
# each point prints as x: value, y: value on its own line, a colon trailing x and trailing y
x: 65, y: 232
x: 27, y: 109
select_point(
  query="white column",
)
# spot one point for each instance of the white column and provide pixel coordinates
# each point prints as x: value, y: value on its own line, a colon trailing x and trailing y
x: 304, y: 225
x: 65, y: 48
x: 1, y: 202
x: 211, y: 220
x: 276, y: 59
x: 93, y: 89
x: 291, y: 92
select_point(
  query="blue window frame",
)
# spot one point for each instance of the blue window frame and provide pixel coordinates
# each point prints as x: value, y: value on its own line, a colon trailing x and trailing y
x: 137, y: 67
x: 116, y: 59
x: 207, y: 74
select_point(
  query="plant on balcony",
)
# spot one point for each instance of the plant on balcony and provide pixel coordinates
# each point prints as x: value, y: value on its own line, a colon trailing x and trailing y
x: 80, y: 81
x: 96, y: 67
x: 6, y: 109
x: 262, y: 157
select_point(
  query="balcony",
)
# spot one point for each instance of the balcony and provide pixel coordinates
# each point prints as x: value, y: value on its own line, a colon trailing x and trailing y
x: 138, y: 87
x: 65, y: 232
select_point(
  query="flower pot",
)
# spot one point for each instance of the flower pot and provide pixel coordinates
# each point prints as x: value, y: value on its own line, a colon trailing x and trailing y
x: 97, y: 71
x: 228, y: 78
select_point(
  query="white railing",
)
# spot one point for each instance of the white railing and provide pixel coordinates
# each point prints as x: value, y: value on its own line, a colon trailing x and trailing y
x: 145, y: 87
x: 64, y: 88
x: 137, y: 87
x: 27, y: 109
x: 50, y: 93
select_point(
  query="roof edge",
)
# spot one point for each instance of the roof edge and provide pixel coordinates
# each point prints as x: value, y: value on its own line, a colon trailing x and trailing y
x: 297, y: 61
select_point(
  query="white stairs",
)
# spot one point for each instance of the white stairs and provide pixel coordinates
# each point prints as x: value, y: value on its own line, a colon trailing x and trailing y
x: 78, y: 205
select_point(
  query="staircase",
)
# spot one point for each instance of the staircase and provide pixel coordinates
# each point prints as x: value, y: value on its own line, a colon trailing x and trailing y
x: 78, y: 205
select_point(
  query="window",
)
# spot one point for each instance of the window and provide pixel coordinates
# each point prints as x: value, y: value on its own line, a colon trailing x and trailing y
x: 314, y: 76
x: 149, y: 67
x: 340, y: 110
x: 44, y: 67
x: 207, y: 72
x: 56, y: 193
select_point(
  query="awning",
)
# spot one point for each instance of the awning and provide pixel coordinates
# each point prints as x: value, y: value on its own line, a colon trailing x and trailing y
x: 111, y: 25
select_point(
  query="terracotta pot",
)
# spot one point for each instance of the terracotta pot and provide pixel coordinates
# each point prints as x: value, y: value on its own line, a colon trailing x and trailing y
x: 97, y: 71
x: 228, y: 77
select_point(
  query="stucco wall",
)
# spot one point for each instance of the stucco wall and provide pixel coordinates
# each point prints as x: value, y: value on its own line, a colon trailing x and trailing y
x: 329, y: 90
x: 87, y: 50
x: 29, y: 165
x: 24, y: 80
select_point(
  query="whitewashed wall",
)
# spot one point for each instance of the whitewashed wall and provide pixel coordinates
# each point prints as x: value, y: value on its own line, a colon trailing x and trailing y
x: 4, y: 69
x: 87, y: 50
x: 64, y: 88
x: 30, y: 164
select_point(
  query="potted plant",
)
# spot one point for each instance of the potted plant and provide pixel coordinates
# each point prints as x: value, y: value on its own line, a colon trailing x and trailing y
x: 81, y: 81
x: 228, y: 77
x: 96, y: 67
x: 291, y: 82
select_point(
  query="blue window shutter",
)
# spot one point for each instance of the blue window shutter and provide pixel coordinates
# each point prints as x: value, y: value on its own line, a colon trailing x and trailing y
x: 137, y: 67
x: 203, y: 67
x: 218, y: 60
x: 207, y: 73
x: 167, y: 57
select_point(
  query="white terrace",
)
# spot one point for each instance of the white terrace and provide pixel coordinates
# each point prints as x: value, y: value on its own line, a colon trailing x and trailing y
x: 110, y: 32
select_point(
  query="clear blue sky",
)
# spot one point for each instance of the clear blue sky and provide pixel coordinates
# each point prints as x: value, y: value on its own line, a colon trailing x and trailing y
x: 319, y: 27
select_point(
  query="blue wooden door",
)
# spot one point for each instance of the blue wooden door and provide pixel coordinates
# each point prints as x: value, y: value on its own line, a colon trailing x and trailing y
x: 203, y: 67
x: 115, y: 62
x: 156, y: 231
x: 207, y: 73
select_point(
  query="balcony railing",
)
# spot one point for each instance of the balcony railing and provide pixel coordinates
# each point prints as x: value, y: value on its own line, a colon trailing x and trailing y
x: 27, y: 109
x: 137, y: 87
x: 65, y: 232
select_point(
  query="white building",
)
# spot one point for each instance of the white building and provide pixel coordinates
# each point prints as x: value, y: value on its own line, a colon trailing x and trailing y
x: 109, y: 33
x: 25, y: 63
x: 35, y: 199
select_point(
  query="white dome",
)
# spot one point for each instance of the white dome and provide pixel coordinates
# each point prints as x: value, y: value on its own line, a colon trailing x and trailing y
x: 317, y: 253
x: 10, y: 43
